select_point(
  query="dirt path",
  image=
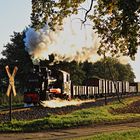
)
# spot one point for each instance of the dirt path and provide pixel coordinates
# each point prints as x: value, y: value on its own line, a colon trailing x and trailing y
x: 69, y: 133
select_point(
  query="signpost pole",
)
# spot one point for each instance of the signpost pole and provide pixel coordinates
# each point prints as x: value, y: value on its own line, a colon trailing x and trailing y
x: 10, y: 107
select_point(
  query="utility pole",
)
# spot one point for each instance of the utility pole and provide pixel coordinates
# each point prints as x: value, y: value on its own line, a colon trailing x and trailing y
x: 105, y: 78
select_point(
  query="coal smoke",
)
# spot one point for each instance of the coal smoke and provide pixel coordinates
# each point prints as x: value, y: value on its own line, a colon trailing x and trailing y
x: 70, y: 42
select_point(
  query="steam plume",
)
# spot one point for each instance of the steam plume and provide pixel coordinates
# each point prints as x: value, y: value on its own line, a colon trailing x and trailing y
x: 69, y: 43
x: 72, y: 42
x: 61, y: 103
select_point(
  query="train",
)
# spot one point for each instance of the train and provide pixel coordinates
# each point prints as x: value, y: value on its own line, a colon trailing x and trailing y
x: 45, y: 84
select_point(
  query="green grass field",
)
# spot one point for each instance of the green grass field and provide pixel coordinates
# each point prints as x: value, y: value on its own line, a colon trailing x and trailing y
x: 125, y: 135
x: 83, y: 117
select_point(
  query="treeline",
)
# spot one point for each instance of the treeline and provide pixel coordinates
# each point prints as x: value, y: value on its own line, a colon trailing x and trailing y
x: 14, y: 54
x: 110, y: 69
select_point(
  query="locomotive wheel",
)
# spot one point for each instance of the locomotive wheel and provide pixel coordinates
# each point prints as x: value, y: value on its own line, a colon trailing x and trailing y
x: 51, y: 96
x: 66, y: 97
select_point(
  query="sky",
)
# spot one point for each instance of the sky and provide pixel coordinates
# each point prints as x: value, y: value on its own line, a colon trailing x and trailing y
x: 15, y: 16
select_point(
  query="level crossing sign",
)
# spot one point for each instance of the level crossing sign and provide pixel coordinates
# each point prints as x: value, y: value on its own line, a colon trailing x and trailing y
x: 11, y: 80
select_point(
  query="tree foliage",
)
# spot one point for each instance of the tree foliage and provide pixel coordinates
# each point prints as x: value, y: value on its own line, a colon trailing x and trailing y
x: 15, y: 55
x: 52, y: 12
x: 112, y: 69
x: 116, y: 21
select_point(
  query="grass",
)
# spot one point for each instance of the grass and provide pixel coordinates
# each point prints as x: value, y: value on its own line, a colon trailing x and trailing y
x: 90, y: 116
x: 125, y: 135
x: 16, y: 101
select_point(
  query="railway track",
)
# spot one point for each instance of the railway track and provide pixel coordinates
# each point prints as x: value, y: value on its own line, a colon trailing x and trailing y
x: 15, y: 109
x: 98, y: 102
x: 30, y: 113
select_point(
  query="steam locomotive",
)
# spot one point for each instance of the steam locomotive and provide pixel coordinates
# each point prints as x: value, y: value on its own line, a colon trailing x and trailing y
x: 44, y: 84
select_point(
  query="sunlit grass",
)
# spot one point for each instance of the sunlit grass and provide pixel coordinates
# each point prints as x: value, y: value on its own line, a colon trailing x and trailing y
x: 125, y: 135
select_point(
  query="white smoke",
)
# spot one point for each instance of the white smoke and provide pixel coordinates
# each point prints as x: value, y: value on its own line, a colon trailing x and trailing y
x: 37, y: 42
x: 72, y: 42
x: 61, y: 103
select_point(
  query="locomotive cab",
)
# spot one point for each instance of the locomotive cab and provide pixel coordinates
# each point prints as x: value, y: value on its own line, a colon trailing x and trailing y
x: 62, y: 86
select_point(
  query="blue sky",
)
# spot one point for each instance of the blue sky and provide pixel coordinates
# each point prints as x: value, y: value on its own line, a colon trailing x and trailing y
x: 15, y: 16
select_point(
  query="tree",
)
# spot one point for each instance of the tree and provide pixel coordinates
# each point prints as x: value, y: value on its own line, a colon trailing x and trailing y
x: 112, y: 69
x: 15, y: 55
x: 74, y: 68
x: 88, y: 68
x: 125, y: 72
x: 77, y: 74
x: 116, y: 21
x: 52, y: 11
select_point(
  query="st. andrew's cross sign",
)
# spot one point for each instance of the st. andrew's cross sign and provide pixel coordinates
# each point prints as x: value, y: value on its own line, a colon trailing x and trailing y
x: 11, y: 86
x: 11, y: 80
